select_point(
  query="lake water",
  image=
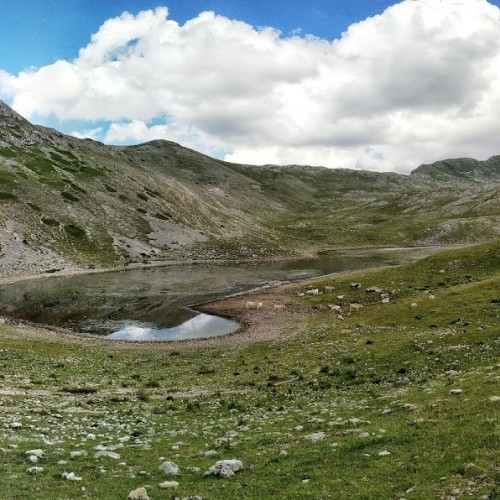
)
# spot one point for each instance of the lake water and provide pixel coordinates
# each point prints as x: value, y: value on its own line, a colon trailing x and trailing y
x: 152, y: 304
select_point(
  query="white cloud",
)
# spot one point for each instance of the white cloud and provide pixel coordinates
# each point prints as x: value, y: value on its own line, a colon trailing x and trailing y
x: 419, y: 82
x: 93, y: 133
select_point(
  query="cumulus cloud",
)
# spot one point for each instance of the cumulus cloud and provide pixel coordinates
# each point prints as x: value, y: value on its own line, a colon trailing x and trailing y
x: 419, y: 82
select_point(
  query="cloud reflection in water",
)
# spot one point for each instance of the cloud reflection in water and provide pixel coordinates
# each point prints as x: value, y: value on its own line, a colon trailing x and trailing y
x: 203, y: 325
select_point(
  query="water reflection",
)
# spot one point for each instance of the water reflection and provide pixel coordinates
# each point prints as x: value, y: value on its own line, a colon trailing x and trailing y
x: 203, y: 325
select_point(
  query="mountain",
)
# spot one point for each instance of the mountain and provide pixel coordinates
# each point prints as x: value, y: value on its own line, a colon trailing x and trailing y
x: 466, y: 169
x: 67, y: 202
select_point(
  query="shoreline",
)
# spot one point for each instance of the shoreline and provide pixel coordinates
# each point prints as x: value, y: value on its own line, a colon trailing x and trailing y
x: 256, y: 325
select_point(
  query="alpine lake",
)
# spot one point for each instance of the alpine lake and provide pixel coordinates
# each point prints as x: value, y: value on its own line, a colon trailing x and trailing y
x: 158, y: 303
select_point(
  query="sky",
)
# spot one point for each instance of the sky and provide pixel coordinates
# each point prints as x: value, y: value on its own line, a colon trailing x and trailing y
x: 377, y: 85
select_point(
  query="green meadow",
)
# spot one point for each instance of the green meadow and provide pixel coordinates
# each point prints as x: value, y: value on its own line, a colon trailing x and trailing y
x: 396, y: 399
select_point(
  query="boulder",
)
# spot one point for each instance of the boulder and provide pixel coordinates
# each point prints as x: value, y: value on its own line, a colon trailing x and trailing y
x: 138, y: 494
x: 225, y: 468
x: 170, y: 469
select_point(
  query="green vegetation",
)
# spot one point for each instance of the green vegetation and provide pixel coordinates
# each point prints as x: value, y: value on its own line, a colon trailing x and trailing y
x: 393, y: 401
x: 69, y: 197
x: 50, y: 222
x: 6, y: 196
x: 75, y: 231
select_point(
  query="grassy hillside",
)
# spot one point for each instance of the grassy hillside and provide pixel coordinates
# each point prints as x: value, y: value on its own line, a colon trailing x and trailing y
x: 393, y: 401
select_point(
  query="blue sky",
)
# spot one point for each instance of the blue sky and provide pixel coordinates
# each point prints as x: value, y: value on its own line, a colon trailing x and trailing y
x: 381, y: 85
x: 38, y: 32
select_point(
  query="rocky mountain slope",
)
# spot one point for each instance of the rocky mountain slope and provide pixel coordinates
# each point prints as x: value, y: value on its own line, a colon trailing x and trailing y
x: 67, y: 202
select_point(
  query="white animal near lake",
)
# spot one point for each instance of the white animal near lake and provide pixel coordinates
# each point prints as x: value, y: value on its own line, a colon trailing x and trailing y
x: 253, y: 305
x: 329, y: 289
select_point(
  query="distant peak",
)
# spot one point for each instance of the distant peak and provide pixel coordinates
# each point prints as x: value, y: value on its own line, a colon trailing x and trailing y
x: 7, y: 111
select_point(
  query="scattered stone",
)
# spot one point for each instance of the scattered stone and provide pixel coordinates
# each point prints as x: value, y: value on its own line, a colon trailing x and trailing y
x: 15, y: 425
x: 79, y: 453
x: 193, y: 469
x: 169, y: 484
x: 225, y: 468
x: 107, y: 454
x: 35, y: 455
x: 494, y: 399
x: 138, y: 494
x: 90, y: 437
x: 70, y: 476
x: 456, y: 391
x: 34, y: 470
x: 211, y: 453
x: 170, y: 469
x: 315, y: 437
x: 384, y: 453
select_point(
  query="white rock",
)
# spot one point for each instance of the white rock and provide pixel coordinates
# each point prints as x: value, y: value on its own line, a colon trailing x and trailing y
x: 62, y: 462
x: 37, y: 453
x: 169, y: 484
x: 78, y: 453
x: 71, y: 476
x: 15, y: 425
x: 138, y: 494
x: 494, y: 399
x: 34, y: 470
x: 169, y: 468
x: 211, y: 453
x: 456, y: 391
x: 384, y: 453
x: 107, y: 454
x: 225, y: 468
x: 315, y: 437
x: 90, y: 437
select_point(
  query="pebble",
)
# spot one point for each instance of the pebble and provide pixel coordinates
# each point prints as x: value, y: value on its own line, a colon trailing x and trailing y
x: 456, y: 391
x: 384, y: 453
x: 494, y: 399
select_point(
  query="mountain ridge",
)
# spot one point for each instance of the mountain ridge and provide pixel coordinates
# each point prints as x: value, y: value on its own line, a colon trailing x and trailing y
x: 68, y: 202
